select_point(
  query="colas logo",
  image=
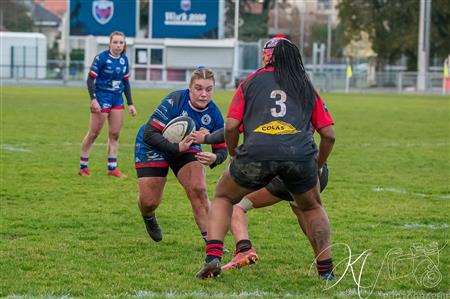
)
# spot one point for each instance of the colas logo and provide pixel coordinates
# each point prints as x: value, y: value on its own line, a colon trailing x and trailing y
x: 277, y: 128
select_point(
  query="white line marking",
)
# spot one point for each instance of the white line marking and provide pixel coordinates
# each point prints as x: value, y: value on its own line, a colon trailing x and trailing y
x: 430, y: 226
x: 401, y: 191
x: 398, y: 144
x: 14, y: 148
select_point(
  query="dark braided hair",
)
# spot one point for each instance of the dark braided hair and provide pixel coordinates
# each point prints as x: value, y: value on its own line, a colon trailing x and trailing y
x: 291, y: 75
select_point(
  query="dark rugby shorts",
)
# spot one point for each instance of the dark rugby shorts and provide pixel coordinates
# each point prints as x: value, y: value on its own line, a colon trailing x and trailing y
x: 298, y: 176
x: 277, y: 188
x: 175, y: 164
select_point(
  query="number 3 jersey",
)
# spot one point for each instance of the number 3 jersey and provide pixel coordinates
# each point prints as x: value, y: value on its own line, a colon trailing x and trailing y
x: 109, y: 71
x: 276, y: 126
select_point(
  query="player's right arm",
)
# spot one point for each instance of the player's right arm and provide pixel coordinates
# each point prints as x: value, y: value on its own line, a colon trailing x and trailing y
x: 234, y: 121
x: 96, y: 66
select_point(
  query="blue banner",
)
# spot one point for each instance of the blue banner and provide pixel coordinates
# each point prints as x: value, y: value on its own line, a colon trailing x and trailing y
x: 184, y: 19
x: 101, y: 17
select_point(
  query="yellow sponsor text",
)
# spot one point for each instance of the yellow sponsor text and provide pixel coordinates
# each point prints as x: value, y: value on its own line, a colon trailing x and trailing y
x: 277, y: 128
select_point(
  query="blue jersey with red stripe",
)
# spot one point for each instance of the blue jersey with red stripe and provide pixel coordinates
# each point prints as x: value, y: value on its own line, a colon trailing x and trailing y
x: 178, y: 103
x: 109, y: 71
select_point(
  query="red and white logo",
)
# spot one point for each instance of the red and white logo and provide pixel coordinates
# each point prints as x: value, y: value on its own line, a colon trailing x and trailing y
x: 185, y: 5
x: 102, y: 10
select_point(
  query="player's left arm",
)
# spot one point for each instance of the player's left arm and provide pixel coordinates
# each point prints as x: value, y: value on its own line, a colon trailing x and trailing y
x: 327, y: 138
x: 323, y: 124
x: 127, y: 92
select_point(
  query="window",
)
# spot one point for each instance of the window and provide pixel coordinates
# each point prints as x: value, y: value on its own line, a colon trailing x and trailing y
x: 141, y: 56
x: 156, y: 74
x: 156, y: 56
x: 176, y: 75
x: 140, y: 73
x: 149, y: 64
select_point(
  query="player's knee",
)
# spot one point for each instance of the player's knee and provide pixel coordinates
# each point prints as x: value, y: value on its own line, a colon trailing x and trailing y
x: 93, y: 134
x: 114, y: 135
x: 245, y: 204
x: 196, y: 190
x: 308, y: 205
x: 308, y: 201
x: 147, y: 203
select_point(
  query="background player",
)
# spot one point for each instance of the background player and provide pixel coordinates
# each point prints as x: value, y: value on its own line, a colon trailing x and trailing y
x: 107, y: 80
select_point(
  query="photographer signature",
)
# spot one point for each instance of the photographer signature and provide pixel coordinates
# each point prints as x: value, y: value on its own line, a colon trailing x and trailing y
x: 422, y: 262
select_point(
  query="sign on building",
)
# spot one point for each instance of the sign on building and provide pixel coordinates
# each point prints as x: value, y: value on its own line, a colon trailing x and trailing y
x: 101, y: 17
x: 185, y: 19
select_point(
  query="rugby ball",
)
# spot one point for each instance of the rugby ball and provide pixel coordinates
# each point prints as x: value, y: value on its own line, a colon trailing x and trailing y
x: 178, y: 128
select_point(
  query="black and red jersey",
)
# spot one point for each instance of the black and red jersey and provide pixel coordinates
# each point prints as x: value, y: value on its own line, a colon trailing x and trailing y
x: 276, y: 125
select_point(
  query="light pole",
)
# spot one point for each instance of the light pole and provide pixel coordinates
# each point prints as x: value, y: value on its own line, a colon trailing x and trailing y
x: 302, y: 27
x: 236, y: 38
x: 424, y: 44
x: 67, y: 46
x: 329, y: 37
x: 276, y: 16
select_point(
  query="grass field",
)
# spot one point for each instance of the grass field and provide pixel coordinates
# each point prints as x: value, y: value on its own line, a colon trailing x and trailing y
x: 62, y: 235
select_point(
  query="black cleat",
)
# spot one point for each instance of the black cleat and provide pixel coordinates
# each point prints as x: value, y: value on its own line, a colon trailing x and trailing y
x: 153, y: 228
x: 328, y: 276
x: 209, y: 270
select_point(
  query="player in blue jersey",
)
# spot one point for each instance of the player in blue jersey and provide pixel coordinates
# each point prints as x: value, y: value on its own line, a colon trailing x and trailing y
x: 154, y: 154
x: 107, y: 80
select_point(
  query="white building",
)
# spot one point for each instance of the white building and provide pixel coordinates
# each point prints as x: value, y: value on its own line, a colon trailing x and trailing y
x: 23, y: 55
x: 160, y: 61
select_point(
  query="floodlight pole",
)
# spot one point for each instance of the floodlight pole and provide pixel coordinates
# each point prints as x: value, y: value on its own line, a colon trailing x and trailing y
x: 329, y: 37
x: 276, y: 16
x: 67, y: 44
x: 236, y: 40
x: 302, y: 27
x: 424, y: 44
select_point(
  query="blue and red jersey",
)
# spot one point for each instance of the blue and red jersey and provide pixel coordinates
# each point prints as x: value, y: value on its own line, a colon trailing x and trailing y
x: 109, y: 71
x: 178, y: 104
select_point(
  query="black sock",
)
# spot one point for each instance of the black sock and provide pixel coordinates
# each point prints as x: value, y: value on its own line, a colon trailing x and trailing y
x: 243, y: 245
x: 149, y: 218
x: 325, y: 267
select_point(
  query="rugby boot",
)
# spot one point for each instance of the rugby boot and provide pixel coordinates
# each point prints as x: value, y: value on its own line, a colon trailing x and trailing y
x: 153, y: 228
x: 328, y: 276
x: 117, y: 173
x: 241, y: 259
x: 209, y: 270
x: 84, y: 172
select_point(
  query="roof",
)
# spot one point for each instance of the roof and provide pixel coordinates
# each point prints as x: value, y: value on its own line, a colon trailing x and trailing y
x: 6, y: 34
x: 42, y: 16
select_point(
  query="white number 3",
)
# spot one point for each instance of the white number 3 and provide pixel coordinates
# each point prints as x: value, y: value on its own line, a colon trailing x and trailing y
x: 279, y: 102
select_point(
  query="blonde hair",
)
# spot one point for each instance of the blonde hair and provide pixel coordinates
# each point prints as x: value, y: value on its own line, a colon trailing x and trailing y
x: 119, y: 33
x: 202, y: 73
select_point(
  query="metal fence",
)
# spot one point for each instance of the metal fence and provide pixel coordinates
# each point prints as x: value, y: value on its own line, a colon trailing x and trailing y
x: 328, y: 79
x: 390, y: 81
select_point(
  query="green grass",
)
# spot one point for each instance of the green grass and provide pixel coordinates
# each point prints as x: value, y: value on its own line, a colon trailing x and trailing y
x: 63, y: 235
